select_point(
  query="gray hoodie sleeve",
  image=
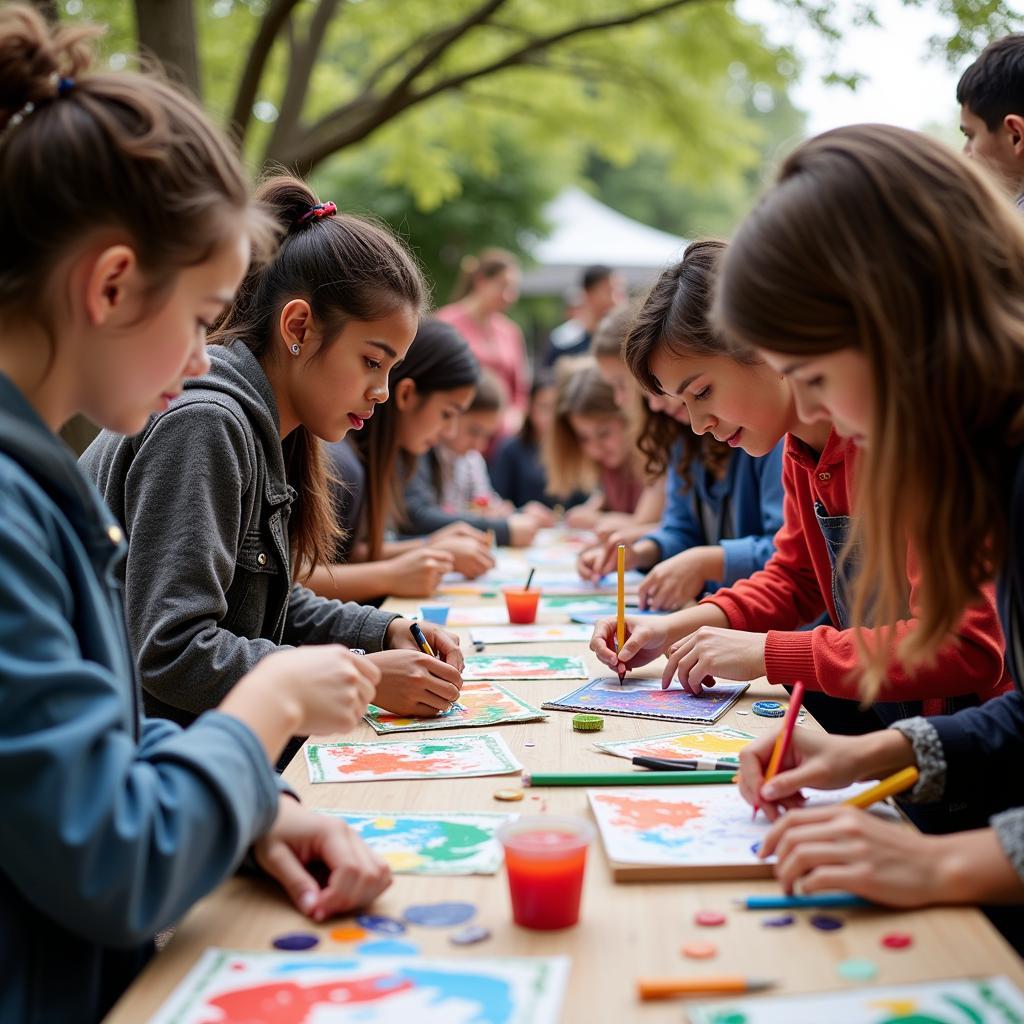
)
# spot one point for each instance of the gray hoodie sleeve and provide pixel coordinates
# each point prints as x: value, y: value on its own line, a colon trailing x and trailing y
x: 316, y: 620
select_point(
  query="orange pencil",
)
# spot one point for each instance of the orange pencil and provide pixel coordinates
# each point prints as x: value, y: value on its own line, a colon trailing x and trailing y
x: 782, y: 741
x: 666, y: 988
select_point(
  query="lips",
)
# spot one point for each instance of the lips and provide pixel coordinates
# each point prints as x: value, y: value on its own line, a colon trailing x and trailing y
x: 358, y: 419
x: 734, y: 439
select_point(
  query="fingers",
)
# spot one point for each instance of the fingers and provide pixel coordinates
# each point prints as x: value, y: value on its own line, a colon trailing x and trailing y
x: 447, y: 646
x: 753, y: 760
x: 601, y: 642
x: 808, y: 856
x: 357, y: 875
x: 793, y: 820
x: 638, y: 638
x: 280, y: 862
x: 435, y: 697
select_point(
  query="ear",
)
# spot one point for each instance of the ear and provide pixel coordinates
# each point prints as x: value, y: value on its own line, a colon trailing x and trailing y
x: 403, y: 394
x: 110, y: 280
x: 1014, y: 125
x: 295, y: 325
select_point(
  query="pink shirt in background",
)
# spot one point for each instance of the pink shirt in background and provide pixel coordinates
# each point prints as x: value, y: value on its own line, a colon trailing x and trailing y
x: 621, y: 489
x: 500, y: 348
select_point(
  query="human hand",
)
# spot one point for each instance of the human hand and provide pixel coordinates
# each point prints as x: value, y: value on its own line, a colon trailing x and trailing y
x: 581, y: 517
x: 418, y: 573
x: 678, y: 580
x: 415, y: 684
x: 521, y: 529
x: 594, y: 562
x: 456, y: 529
x: 443, y: 643
x: 609, y: 524
x: 299, y: 837
x: 646, y: 639
x: 472, y: 555
x: 537, y: 510
x: 711, y: 651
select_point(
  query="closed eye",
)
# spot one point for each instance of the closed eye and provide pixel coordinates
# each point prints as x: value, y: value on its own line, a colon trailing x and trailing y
x: 703, y: 393
x: 373, y: 364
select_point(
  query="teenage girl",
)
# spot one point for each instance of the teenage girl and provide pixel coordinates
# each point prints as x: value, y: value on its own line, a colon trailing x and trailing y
x: 224, y: 496
x: 112, y: 825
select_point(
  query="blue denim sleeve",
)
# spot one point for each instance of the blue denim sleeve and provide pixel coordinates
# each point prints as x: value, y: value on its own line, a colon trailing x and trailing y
x: 679, y: 529
x: 111, y: 837
x: 744, y: 555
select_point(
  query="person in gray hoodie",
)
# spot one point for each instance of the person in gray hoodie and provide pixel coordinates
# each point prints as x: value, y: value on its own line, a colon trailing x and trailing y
x: 224, y: 495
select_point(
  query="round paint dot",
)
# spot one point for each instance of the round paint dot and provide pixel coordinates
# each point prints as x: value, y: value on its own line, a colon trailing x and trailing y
x: 295, y: 941
x: 897, y: 940
x: 700, y: 950
x: 469, y: 935
x: 509, y: 795
x: 439, y: 915
x: 826, y: 923
x: 768, y: 708
x: 709, y: 918
x: 857, y: 970
x: 388, y: 947
x: 348, y: 933
x: 782, y: 921
x: 379, y: 923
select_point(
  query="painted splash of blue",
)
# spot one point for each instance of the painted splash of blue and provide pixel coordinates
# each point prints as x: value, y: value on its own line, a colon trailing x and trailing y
x: 388, y: 947
x: 490, y: 995
x: 315, y: 965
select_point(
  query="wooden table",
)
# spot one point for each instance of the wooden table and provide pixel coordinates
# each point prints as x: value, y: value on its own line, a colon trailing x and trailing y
x: 626, y: 930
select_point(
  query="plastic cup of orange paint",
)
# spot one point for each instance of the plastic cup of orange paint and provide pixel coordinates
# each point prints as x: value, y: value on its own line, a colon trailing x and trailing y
x: 521, y: 604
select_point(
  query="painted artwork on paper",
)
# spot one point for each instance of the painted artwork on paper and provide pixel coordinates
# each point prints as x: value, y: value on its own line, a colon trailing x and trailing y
x: 479, y: 704
x: 535, y: 634
x: 723, y: 744
x: 522, y: 666
x: 638, y: 697
x: 440, y: 757
x: 477, y: 615
x: 232, y: 987
x: 993, y: 1000
x: 431, y: 844
x: 548, y: 581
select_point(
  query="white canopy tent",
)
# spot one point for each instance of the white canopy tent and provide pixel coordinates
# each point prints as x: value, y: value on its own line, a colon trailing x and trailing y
x: 585, y: 232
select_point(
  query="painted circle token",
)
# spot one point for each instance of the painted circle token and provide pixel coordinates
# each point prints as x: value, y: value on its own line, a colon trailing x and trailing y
x: 826, y: 923
x: 768, y: 708
x: 587, y: 723
x: 510, y: 795
x: 700, y: 950
x: 295, y: 941
x: 782, y: 921
x: 348, y: 933
x: 387, y: 947
x: 379, y: 923
x: 857, y: 970
x: 439, y: 915
x: 709, y: 918
x: 469, y: 935
x: 897, y: 940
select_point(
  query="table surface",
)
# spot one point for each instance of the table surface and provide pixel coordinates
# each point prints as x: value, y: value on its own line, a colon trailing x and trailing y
x: 627, y: 930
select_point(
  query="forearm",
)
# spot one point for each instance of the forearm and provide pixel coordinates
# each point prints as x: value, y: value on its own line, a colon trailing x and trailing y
x: 880, y: 754
x: 683, y: 623
x: 643, y: 554
x: 978, y: 867
x: 363, y: 581
x: 711, y: 561
x: 267, y: 710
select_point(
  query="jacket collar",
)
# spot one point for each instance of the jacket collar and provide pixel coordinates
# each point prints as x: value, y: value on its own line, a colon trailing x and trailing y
x: 838, y: 449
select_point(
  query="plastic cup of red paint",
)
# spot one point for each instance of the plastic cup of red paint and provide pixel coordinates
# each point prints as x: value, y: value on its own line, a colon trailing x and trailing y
x: 521, y: 605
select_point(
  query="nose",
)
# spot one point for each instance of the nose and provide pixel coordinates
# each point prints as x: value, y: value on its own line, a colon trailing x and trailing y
x: 448, y: 431
x: 378, y: 392
x: 199, y: 364
x: 701, y: 423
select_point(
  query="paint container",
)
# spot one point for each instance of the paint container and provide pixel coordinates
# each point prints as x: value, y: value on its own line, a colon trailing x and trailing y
x: 545, y: 857
x: 436, y: 613
x: 521, y: 605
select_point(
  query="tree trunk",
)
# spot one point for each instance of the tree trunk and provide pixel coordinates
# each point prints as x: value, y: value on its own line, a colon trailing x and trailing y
x: 167, y: 31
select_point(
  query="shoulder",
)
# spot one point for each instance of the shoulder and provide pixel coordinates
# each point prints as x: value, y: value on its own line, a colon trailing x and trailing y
x: 27, y: 511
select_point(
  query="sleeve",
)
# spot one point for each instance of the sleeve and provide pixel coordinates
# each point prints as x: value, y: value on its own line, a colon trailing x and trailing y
x: 1009, y: 829
x: 520, y: 397
x: 182, y: 496
x: 679, y: 529
x: 503, y: 469
x: 423, y: 515
x: 930, y: 758
x: 745, y: 555
x: 112, y: 839
x: 313, y: 619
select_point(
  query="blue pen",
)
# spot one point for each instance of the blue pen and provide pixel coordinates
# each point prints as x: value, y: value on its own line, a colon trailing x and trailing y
x: 823, y: 900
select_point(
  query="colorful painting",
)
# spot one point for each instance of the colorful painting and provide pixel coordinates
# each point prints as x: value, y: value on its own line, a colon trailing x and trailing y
x: 637, y: 697
x: 722, y: 744
x: 447, y: 757
x: 535, y: 634
x: 690, y: 827
x: 431, y: 844
x: 522, y: 666
x: 232, y: 987
x: 979, y: 1001
x: 593, y: 617
x: 574, y: 605
x: 549, y: 581
x: 479, y: 703
x: 477, y: 615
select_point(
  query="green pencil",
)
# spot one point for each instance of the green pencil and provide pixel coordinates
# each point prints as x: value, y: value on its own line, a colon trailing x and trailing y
x: 625, y: 778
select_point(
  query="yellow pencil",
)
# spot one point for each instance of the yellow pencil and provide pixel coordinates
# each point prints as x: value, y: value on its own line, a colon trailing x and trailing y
x: 620, y: 634
x: 887, y: 787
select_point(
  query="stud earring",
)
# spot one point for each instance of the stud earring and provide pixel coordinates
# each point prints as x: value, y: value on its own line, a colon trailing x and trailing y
x: 295, y: 349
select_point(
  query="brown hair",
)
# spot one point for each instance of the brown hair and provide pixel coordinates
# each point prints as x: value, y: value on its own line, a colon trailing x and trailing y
x: 610, y: 336
x: 883, y: 240
x: 582, y: 391
x: 489, y: 395
x: 347, y: 268
x: 126, y: 151
x: 487, y: 264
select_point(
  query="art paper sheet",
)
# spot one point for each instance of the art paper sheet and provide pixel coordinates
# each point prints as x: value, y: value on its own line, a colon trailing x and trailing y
x: 691, y: 826
x: 431, y: 844
x: 522, y: 666
x: 479, y: 704
x: 548, y: 581
x: 984, y: 1001
x: 723, y: 744
x: 439, y: 757
x: 537, y: 633
x: 636, y: 697
x: 231, y: 987
x: 477, y: 615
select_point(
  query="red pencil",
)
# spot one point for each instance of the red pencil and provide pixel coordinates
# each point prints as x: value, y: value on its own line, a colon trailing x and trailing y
x: 796, y: 698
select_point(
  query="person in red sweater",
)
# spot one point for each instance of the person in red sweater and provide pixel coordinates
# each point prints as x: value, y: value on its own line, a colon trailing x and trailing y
x: 753, y: 628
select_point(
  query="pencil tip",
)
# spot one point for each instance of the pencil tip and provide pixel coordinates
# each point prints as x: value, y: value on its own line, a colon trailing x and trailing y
x: 759, y: 984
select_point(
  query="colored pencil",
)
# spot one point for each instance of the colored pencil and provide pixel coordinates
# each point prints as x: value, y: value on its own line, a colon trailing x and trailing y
x: 796, y: 698
x: 894, y: 784
x: 620, y: 631
x: 687, y: 778
x: 833, y: 900
x: 666, y: 988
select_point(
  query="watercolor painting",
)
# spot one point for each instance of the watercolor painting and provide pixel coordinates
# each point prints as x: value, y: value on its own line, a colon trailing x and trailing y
x: 480, y: 703
x: 534, y: 634
x: 522, y: 666
x: 723, y: 744
x: 477, y: 615
x: 431, y: 844
x: 442, y: 757
x: 233, y: 987
x: 705, y: 828
x: 592, y: 617
x: 993, y: 1000
x: 638, y: 697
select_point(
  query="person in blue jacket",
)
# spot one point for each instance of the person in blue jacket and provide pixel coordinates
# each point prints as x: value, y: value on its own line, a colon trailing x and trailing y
x: 112, y: 825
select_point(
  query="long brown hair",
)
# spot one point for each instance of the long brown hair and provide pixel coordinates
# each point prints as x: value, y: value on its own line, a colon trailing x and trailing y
x: 882, y: 240
x: 125, y: 151
x: 485, y: 265
x: 347, y: 268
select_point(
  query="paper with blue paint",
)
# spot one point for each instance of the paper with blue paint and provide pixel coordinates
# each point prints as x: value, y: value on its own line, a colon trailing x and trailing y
x: 231, y: 987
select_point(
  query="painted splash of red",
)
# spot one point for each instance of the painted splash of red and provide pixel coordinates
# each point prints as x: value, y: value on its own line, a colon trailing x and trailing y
x: 289, y: 1003
x: 641, y: 814
x: 384, y: 762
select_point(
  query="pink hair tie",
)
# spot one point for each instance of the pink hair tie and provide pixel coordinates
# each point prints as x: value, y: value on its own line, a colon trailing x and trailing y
x: 318, y: 211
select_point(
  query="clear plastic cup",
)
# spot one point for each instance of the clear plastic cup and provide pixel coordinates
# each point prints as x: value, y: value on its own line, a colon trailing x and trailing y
x: 436, y: 613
